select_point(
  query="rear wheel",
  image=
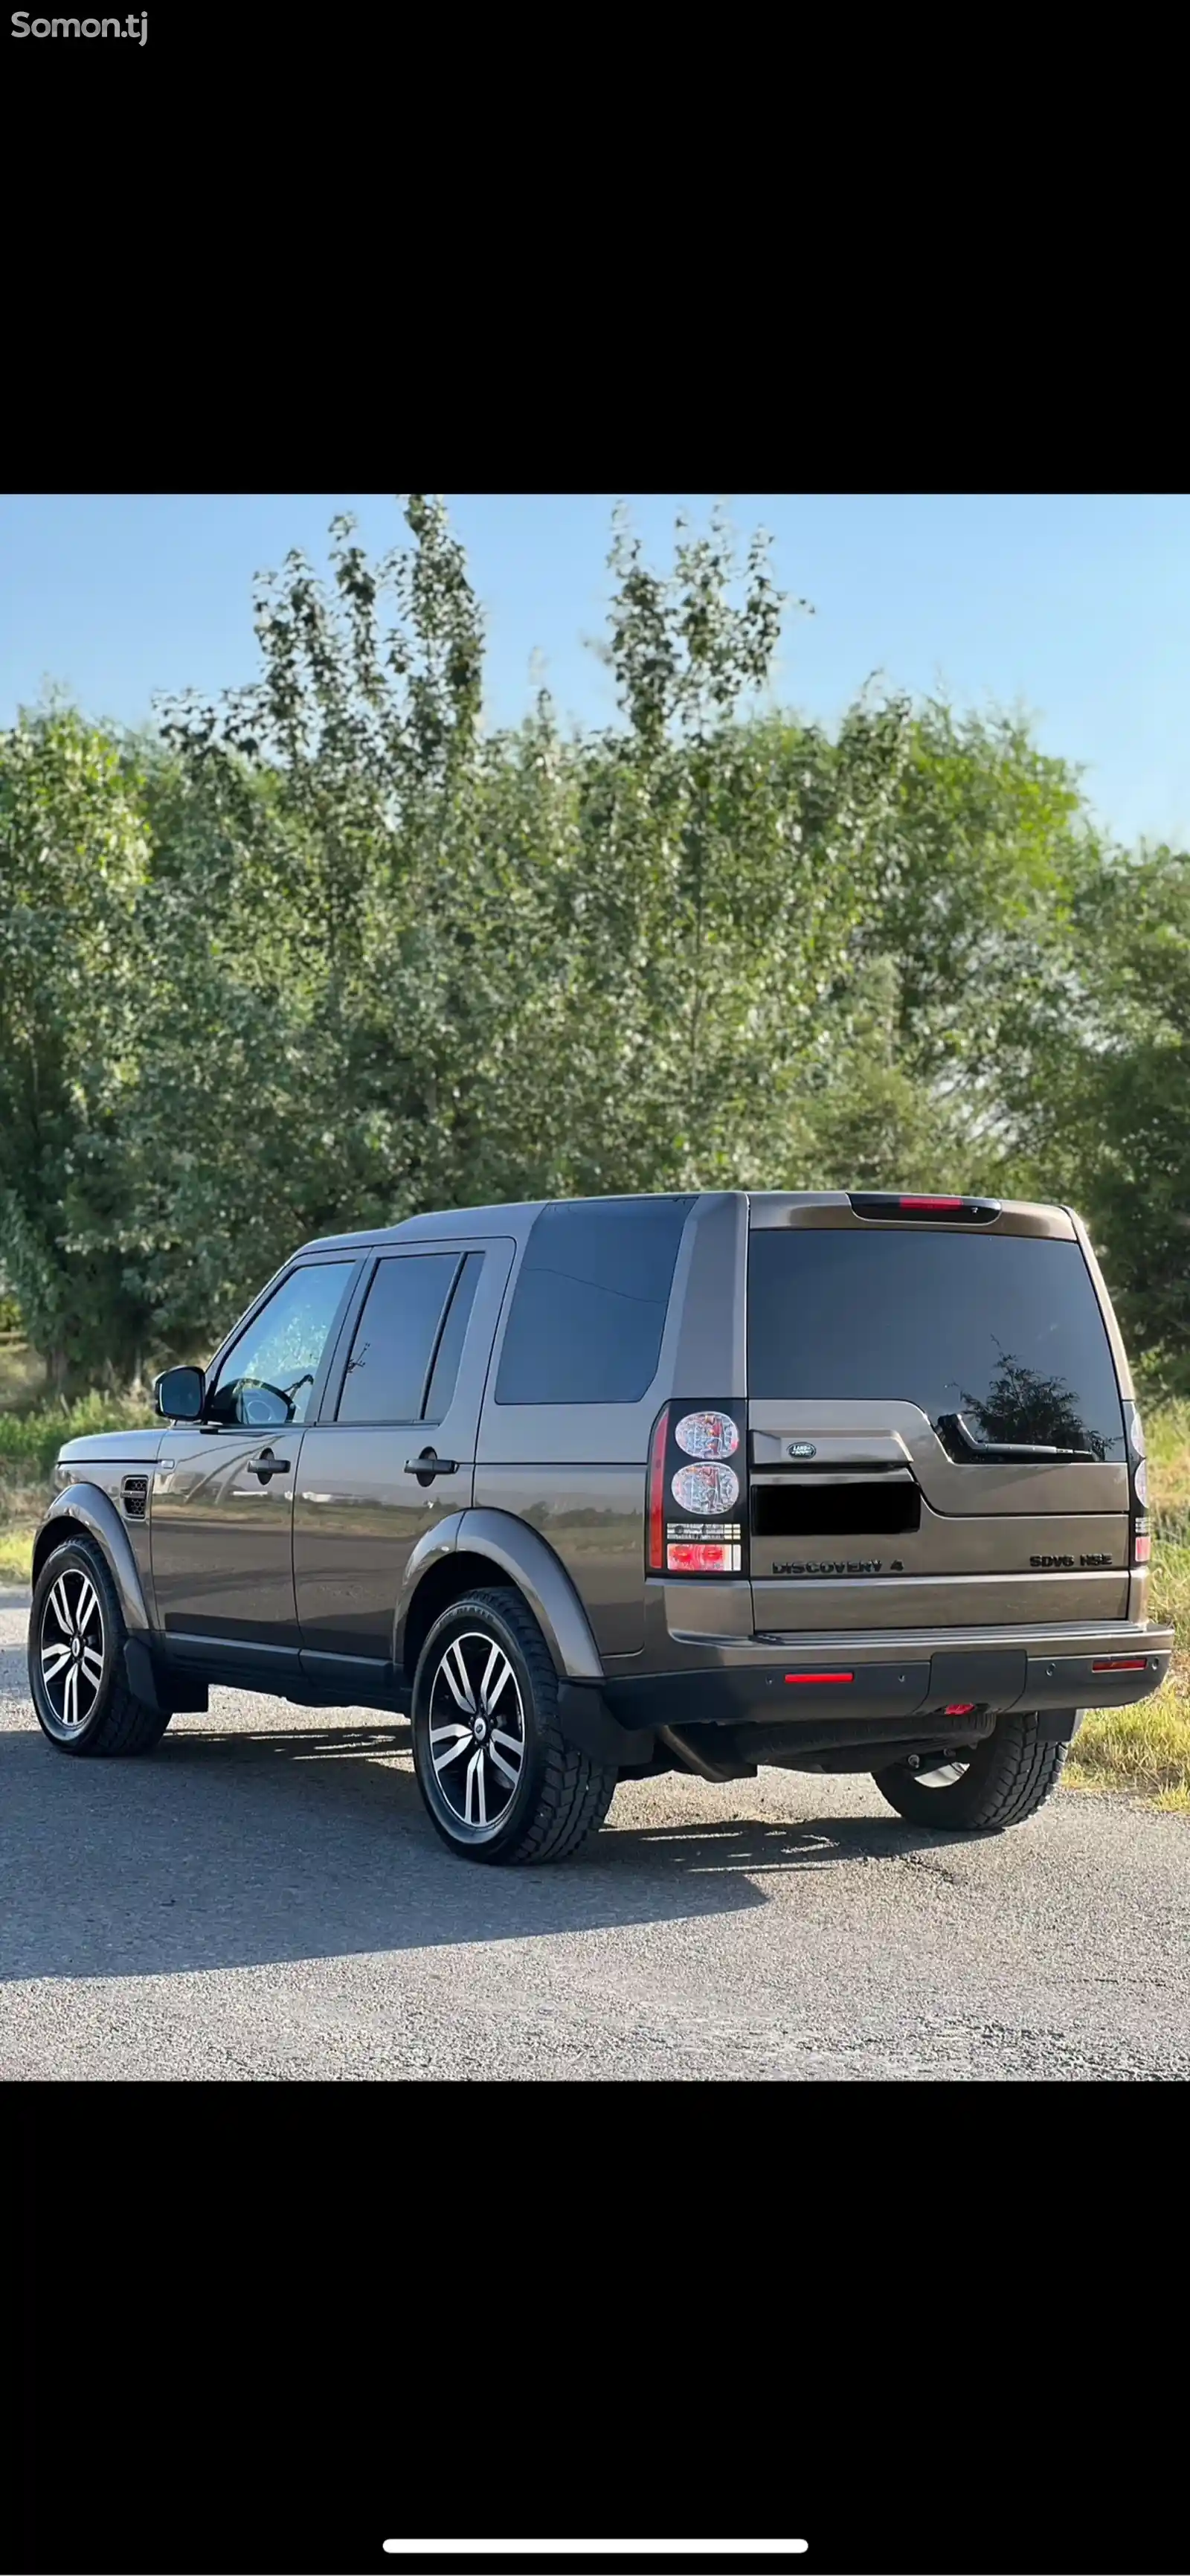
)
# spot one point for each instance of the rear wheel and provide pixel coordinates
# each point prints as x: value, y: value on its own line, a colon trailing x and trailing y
x: 999, y: 1783
x: 77, y: 1680
x: 499, y: 1778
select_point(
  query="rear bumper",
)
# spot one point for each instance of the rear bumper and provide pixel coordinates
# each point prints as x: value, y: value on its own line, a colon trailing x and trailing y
x: 930, y: 1677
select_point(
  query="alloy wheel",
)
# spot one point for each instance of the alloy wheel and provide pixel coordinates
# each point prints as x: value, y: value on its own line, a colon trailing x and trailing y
x: 476, y: 1732
x: 71, y: 1649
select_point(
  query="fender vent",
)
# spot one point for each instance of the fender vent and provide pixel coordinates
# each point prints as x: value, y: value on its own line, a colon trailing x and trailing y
x: 136, y: 1497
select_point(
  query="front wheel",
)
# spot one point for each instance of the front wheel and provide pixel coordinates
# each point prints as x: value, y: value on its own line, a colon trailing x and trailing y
x: 999, y: 1783
x: 76, y: 1659
x: 499, y: 1779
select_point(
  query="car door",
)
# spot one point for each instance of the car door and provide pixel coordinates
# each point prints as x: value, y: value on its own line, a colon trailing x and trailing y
x: 406, y: 1388
x: 221, y: 1520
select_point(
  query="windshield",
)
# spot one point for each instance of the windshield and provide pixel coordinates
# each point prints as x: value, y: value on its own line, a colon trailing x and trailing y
x: 999, y: 1338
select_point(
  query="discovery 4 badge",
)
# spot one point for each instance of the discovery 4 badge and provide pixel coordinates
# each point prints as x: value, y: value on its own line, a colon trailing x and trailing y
x: 834, y: 1565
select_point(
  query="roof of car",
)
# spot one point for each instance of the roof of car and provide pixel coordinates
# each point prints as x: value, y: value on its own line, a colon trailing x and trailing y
x: 506, y: 1217
x: 515, y: 1216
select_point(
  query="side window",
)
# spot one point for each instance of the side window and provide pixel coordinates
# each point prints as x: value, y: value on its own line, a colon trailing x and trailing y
x: 590, y: 1302
x: 409, y: 1338
x: 454, y: 1333
x: 267, y: 1376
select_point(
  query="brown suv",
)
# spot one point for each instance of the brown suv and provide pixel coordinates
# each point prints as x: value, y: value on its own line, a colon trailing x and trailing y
x: 606, y: 1487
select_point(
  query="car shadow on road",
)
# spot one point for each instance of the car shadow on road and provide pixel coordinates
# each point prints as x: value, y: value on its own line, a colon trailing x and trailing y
x: 232, y: 1849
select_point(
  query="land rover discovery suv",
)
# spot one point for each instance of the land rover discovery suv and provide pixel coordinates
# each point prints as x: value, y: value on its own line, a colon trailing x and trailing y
x: 599, y: 1488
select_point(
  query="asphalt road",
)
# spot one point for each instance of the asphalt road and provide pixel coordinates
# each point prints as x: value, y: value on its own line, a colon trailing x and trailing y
x: 264, y: 1897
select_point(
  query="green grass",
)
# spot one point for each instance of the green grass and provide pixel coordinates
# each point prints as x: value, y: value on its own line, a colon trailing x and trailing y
x: 1146, y: 1749
x: 16, y: 1555
x: 1169, y: 1589
x: 1167, y: 1441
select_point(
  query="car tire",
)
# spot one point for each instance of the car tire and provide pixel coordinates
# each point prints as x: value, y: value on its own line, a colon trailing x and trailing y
x: 499, y: 1779
x: 1001, y: 1782
x: 77, y: 1679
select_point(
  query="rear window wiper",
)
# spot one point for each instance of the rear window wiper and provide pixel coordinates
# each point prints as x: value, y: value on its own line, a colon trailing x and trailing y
x: 993, y: 1450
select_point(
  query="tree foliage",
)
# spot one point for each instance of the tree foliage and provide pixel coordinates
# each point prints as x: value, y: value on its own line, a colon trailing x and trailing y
x: 73, y: 859
x: 326, y: 951
x: 1098, y: 1084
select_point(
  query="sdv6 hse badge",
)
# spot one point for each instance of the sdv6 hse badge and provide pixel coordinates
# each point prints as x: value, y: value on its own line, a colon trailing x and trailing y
x: 803, y: 1448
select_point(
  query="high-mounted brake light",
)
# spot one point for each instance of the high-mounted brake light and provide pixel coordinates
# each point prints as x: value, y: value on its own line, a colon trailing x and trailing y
x: 886, y: 1204
x: 657, y: 1492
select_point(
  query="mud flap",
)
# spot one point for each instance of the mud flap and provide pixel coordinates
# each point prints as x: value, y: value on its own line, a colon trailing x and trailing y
x: 1058, y: 1725
x: 586, y: 1720
x: 175, y: 1698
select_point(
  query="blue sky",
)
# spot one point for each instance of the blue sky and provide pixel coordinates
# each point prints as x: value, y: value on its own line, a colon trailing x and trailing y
x: 1076, y: 606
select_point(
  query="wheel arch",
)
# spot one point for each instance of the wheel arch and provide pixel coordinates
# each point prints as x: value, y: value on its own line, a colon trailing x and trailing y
x: 473, y: 1549
x: 85, y: 1511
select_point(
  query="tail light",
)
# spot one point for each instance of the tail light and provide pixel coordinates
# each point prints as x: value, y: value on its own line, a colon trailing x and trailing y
x: 701, y: 1556
x: 695, y: 1501
x: 657, y: 1450
x: 1138, y: 1500
x: 709, y: 1434
x: 706, y: 1489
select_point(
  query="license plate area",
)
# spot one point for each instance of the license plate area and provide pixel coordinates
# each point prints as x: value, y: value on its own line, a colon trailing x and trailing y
x: 856, y: 1506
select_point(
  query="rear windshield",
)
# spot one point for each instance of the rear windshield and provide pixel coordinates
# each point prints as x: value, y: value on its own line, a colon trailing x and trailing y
x: 1002, y: 1330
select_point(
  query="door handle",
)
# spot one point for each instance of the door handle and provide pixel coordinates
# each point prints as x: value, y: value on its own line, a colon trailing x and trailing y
x: 430, y: 1465
x: 266, y: 1465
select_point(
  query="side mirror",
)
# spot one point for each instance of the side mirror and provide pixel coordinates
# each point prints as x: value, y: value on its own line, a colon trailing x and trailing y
x: 178, y: 1394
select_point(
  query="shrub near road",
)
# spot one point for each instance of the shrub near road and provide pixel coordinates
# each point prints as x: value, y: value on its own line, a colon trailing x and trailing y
x: 30, y: 1438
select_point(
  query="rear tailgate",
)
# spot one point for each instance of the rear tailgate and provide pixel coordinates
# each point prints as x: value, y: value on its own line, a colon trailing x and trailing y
x: 894, y: 1366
